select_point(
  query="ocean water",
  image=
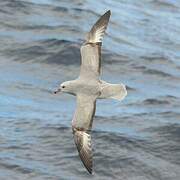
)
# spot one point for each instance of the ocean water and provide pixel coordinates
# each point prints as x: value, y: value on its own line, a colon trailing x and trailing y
x: 136, y: 139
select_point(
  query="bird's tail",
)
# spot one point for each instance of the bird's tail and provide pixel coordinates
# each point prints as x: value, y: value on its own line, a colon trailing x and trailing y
x: 113, y: 91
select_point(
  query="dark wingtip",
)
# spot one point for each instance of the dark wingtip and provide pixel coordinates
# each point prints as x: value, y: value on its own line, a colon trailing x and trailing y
x: 84, y: 148
x: 90, y: 171
x: 108, y: 13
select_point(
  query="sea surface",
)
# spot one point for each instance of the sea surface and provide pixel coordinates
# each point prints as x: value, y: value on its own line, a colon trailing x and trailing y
x: 136, y: 139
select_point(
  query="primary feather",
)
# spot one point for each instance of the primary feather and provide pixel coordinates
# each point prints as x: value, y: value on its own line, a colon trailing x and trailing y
x: 83, y: 143
x: 98, y: 30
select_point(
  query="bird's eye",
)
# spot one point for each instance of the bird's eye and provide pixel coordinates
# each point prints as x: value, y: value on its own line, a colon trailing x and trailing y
x: 63, y: 86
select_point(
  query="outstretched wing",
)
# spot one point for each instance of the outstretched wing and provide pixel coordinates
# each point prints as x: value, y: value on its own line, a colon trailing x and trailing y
x: 91, y: 50
x: 97, y: 31
x: 83, y: 143
x: 81, y: 125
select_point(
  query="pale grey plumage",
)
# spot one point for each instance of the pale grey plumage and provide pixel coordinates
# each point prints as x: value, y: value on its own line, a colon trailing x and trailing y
x: 97, y: 31
x: 91, y: 50
x: 90, y: 61
x: 88, y: 87
x: 113, y: 91
x: 83, y: 143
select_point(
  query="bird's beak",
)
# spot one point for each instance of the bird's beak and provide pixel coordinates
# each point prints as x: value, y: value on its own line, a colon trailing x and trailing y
x: 58, y: 90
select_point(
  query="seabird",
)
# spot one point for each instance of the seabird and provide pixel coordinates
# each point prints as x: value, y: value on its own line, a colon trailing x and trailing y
x: 87, y: 88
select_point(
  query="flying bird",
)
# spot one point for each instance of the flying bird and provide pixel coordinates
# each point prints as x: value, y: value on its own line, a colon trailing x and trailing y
x: 88, y: 87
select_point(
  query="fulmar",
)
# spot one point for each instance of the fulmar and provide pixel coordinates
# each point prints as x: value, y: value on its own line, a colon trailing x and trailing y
x: 87, y: 88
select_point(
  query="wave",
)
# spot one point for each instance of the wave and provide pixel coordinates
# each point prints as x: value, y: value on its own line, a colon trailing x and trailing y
x: 51, y: 51
x: 166, y: 4
x: 155, y: 102
x: 157, y: 72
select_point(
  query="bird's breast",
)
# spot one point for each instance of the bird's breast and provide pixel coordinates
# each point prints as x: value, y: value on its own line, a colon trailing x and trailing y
x: 89, y: 87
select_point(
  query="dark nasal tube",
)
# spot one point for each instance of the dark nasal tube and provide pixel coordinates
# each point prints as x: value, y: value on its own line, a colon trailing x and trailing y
x: 58, y: 90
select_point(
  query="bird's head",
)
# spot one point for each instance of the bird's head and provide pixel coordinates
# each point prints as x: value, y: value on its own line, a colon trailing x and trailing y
x: 66, y: 87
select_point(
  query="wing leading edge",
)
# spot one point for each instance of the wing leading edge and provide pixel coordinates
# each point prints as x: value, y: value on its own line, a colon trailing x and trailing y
x: 91, y: 50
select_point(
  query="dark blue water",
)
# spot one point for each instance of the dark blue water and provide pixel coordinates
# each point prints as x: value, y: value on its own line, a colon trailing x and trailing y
x: 136, y: 139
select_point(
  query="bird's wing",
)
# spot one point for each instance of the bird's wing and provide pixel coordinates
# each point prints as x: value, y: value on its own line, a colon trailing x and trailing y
x: 83, y: 143
x: 91, y: 50
x: 81, y: 125
x: 97, y: 31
